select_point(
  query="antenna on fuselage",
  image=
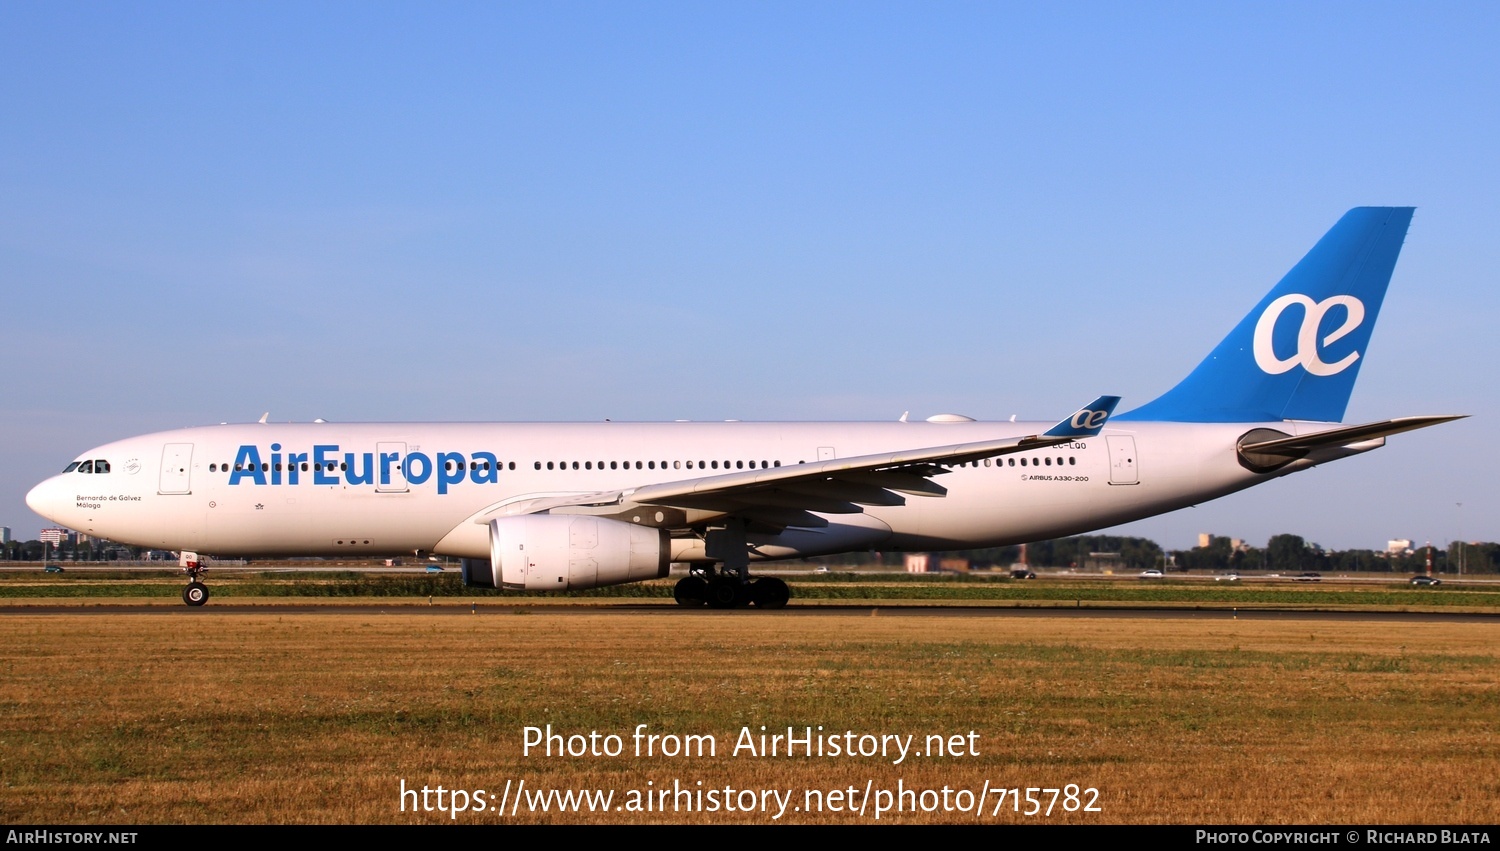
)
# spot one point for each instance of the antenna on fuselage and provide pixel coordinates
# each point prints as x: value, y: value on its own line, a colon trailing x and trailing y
x: 264, y: 417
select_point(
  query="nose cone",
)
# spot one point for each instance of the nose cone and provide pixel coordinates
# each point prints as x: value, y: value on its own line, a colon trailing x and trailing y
x: 45, y: 499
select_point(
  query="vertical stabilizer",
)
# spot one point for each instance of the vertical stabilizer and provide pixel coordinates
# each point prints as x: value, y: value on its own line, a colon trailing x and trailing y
x: 1296, y: 355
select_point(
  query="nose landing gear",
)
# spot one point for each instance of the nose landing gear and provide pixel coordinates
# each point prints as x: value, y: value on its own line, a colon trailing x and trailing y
x: 196, y: 593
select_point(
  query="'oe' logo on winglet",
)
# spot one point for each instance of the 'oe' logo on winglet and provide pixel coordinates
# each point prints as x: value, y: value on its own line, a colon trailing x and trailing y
x: 1307, y: 337
x: 1086, y: 419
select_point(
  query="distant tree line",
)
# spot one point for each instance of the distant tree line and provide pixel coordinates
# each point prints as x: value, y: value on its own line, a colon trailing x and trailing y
x: 1133, y: 553
x: 1282, y: 554
x: 91, y: 550
x: 1293, y: 554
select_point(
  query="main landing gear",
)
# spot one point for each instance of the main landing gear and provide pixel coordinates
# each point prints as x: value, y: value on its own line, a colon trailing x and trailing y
x: 196, y: 593
x: 729, y: 585
x: 720, y: 590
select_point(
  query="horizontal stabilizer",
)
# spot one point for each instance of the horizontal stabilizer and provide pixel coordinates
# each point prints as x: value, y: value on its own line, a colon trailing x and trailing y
x: 1296, y: 446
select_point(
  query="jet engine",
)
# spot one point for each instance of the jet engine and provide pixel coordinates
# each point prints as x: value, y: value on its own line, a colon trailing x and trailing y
x: 568, y: 552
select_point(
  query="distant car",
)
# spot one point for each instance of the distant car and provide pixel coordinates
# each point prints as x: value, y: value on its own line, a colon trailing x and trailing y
x: 1152, y: 573
x: 53, y: 568
x: 1426, y: 580
x: 822, y: 568
x: 1022, y: 574
x: 434, y: 568
x: 1308, y: 577
x: 1227, y: 577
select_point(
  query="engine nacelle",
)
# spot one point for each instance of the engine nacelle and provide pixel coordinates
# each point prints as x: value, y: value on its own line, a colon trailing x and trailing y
x: 568, y: 552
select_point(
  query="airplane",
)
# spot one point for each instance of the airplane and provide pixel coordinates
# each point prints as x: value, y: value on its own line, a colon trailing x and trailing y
x: 566, y: 506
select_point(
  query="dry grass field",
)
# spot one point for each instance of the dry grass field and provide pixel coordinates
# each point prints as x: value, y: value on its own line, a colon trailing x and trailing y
x: 298, y: 718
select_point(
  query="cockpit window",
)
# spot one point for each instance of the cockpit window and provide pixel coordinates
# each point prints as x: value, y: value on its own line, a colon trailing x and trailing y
x: 86, y: 467
x: 101, y: 465
x: 73, y: 466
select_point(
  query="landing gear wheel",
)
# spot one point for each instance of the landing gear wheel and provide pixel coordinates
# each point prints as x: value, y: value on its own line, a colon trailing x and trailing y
x: 691, y: 591
x: 195, y: 594
x: 768, y: 592
x: 725, y: 592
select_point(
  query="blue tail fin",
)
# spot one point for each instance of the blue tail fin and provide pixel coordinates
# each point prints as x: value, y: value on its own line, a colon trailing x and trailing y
x: 1296, y: 355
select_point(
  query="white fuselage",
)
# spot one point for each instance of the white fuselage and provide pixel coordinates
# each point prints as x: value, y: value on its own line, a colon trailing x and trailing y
x: 368, y: 489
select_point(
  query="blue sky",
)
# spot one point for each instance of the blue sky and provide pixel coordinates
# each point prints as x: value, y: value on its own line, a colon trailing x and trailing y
x: 653, y: 211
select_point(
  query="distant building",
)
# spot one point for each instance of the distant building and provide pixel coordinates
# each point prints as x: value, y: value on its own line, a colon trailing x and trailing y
x: 4, y: 534
x: 1107, y: 562
x: 51, y: 536
x: 1399, y: 547
x: 1238, y: 545
x: 917, y: 562
x: 953, y: 565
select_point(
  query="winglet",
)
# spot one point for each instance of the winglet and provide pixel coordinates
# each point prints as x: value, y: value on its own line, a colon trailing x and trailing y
x: 1086, y: 421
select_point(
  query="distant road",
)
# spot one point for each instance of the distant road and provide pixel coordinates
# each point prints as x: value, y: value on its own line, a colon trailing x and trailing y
x: 494, y: 607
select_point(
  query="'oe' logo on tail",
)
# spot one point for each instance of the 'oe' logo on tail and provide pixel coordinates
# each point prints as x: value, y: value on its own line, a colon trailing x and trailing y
x: 1307, y: 354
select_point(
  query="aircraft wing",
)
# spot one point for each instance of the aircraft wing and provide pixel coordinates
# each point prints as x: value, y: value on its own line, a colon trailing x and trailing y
x: 786, y: 496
